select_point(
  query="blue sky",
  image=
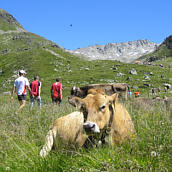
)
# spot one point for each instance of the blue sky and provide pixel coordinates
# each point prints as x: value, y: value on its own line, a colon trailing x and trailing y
x: 93, y: 21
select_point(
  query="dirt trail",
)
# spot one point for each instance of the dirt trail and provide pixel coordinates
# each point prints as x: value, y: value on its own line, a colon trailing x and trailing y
x: 52, y: 52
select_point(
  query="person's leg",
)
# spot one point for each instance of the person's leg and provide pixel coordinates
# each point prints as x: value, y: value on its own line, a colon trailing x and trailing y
x: 56, y: 101
x: 22, y: 104
x: 31, y: 102
x: 22, y: 101
x: 59, y: 101
x: 39, y: 102
x: 53, y: 100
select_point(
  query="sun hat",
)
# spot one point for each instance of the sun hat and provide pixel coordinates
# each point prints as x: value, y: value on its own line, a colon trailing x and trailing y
x: 22, y: 71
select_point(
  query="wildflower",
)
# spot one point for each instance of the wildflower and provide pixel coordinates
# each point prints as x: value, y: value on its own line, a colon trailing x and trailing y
x: 7, y: 168
x: 99, y: 142
x: 109, y: 159
x: 161, y: 147
x: 153, y: 154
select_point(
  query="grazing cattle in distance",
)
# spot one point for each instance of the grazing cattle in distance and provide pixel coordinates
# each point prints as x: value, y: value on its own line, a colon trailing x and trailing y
x: 109, y: 116
x: 109, y: 89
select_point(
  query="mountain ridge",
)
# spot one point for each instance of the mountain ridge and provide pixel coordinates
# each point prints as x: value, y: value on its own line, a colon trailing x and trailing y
x: 127, y: 52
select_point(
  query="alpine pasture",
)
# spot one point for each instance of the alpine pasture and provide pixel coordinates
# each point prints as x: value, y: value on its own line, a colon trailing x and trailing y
x: 22, y: 134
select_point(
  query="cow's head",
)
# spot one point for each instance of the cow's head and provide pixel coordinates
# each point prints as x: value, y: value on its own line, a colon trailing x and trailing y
x: 75, y: 91
x: 96, y: 110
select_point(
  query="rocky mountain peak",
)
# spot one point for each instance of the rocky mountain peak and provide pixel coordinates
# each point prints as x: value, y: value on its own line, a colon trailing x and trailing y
x: 125, y: 51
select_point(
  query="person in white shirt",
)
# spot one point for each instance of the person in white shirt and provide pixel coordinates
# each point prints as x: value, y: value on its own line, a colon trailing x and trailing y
x: 20, y: 85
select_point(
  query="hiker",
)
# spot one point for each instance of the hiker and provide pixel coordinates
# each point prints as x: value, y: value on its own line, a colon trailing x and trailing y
x: 137, y: 94
x: 36, y: 91
x: 159, y: 90
x: 153, y: 91
x: 56, y: 91
x: 129, y: 94
x: 20, y: 85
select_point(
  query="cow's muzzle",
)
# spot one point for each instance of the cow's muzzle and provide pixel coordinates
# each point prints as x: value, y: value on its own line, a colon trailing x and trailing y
x: 91, y: 127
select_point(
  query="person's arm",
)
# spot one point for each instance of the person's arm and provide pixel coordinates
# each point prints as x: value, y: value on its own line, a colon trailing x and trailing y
x: 39, y: 93
x: 30, y: 91
x: 39, y: 90
x: 28, y: 87
x: 61, y: 94
x: 12, y: 93
x: 61, y: 88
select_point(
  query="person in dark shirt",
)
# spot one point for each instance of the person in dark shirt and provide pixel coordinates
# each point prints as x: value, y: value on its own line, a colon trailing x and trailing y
x: 56, y: 91
x: 36, y: 91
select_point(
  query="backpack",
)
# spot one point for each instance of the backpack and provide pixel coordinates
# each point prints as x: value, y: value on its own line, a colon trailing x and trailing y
x: 35, y: 87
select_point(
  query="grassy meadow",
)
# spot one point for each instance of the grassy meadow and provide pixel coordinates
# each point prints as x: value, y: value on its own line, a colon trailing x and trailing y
x: 22, y: 136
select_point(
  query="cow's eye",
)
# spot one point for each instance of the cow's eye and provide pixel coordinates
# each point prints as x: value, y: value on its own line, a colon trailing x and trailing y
x: 102, y: 107
x: 83, y: 108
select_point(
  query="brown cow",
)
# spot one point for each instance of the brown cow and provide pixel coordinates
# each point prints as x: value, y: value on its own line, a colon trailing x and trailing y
x: 109, y: 89
x: 108, y: 115
x: 101, y: 116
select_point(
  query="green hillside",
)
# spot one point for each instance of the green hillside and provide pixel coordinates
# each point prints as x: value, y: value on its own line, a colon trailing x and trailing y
x: 36, y: 55
x: 73, y: 70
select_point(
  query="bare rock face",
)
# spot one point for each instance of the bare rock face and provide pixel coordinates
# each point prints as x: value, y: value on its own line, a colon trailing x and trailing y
x: 127, y: 52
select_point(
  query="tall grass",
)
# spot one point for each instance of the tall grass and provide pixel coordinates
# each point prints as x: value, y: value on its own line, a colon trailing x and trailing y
x: 22, y: 136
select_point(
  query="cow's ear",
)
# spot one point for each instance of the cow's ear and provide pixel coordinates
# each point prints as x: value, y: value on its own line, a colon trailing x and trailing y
x: 76, y: 102
x: 73, y: 88
x: 113, y: 98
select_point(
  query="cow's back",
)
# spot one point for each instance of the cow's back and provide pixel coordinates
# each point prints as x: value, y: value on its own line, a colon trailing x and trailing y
x: 69, y: 127
x: 122, y: 126
x: 65, y: 131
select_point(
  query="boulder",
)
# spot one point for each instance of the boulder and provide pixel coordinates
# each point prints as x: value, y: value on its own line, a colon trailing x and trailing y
x: 133, y: 71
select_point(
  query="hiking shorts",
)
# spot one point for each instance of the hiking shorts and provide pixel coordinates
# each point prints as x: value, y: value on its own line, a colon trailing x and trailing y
x: 55, y: 100
x: 21, y: 97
